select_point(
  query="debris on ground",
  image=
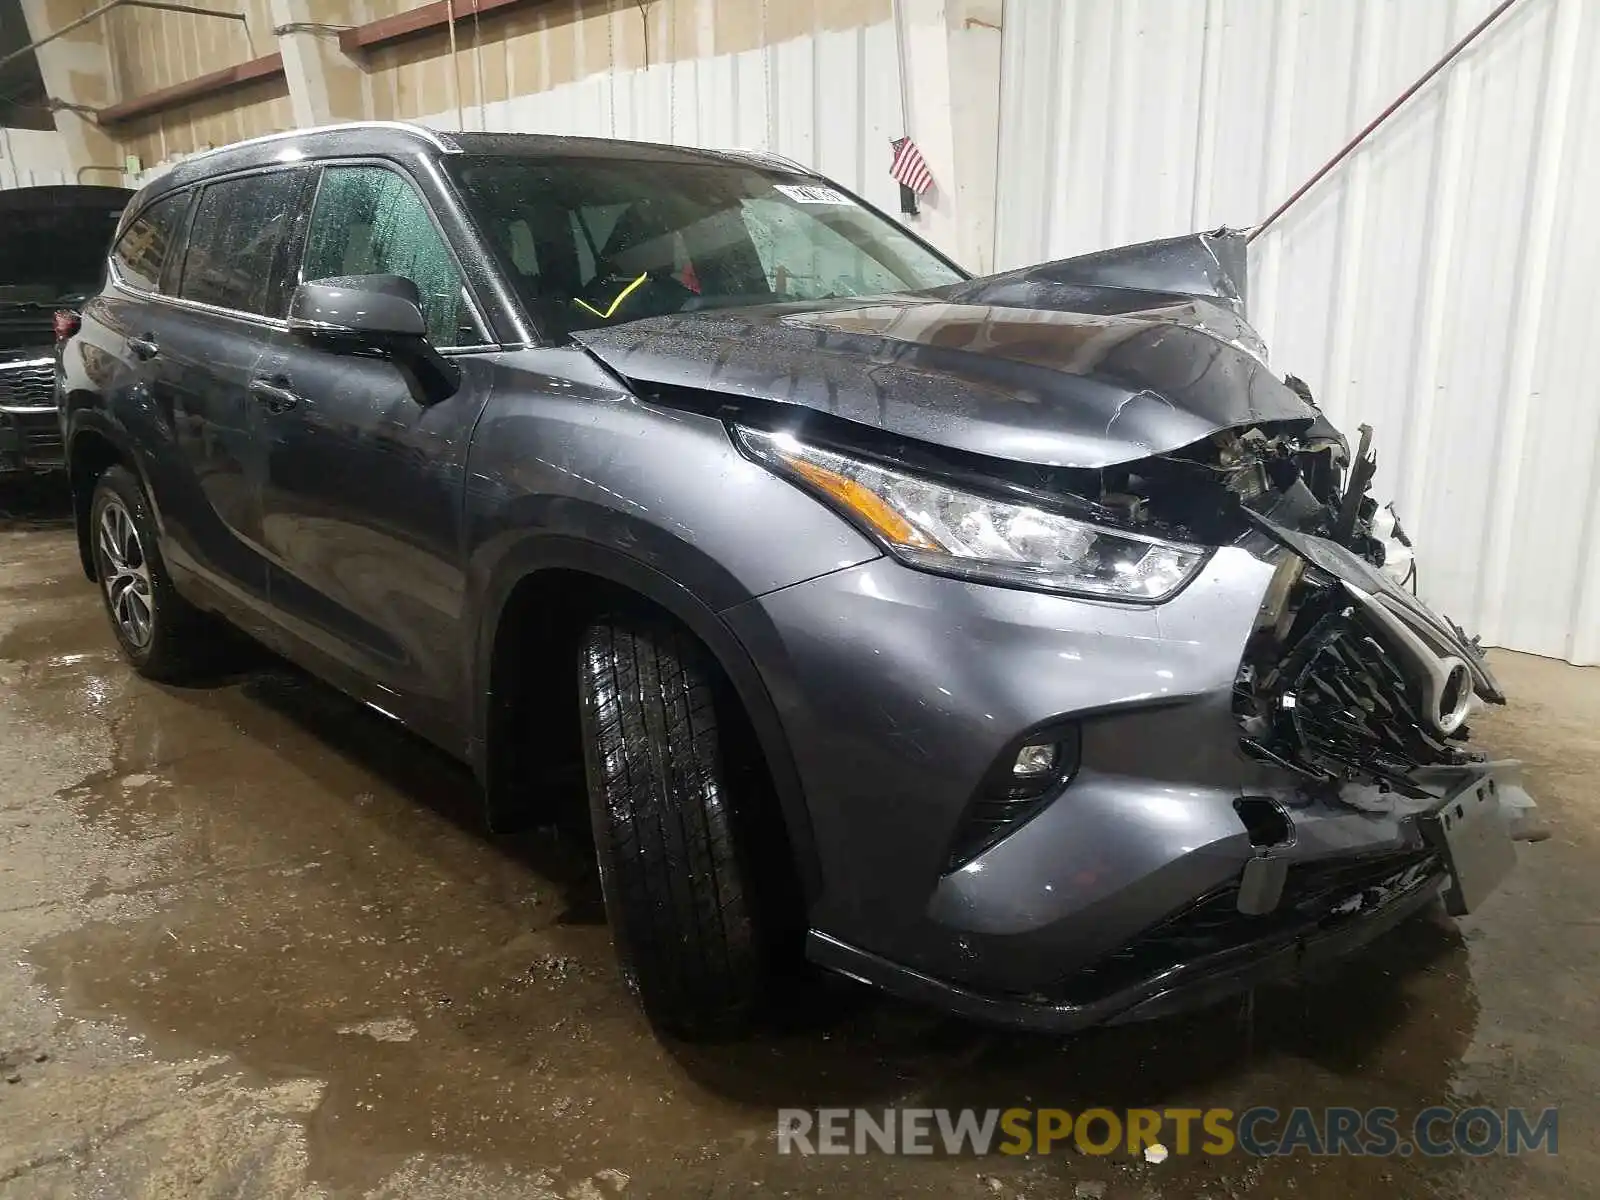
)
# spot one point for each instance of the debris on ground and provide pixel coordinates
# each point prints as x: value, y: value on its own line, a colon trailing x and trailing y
x: 392, y: 1029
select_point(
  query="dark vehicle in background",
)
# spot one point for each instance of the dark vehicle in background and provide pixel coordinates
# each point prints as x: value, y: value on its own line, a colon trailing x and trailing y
x: 53, y: 244
x: 1016, y: 644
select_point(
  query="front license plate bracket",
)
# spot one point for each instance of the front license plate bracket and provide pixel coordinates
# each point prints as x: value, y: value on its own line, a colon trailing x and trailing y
x: 1471, y: 835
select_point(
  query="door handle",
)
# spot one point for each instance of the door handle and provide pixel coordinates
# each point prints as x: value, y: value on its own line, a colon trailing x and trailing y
x: 275, y: 397
x: 144, y: 348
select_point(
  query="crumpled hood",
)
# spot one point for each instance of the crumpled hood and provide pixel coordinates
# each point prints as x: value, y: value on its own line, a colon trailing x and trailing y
x: 1082, y: 363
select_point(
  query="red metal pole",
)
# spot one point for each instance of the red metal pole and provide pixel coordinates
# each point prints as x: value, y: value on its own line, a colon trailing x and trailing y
x: 1378, y: 120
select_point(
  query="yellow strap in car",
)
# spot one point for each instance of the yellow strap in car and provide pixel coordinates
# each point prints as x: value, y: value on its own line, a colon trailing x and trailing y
x: 621, y: 296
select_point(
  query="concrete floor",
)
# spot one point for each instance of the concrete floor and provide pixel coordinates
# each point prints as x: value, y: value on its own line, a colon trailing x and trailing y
x: 254, y: 945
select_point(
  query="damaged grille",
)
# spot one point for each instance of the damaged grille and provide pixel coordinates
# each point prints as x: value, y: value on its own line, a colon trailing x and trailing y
x: 1348, y: 704
x: 1315, y: 896
x: 1323, y: 692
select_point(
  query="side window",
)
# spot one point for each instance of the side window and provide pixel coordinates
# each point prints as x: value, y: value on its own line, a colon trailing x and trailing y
x: 236, y: 241
x: 371, y: 221
x: 143, y: 247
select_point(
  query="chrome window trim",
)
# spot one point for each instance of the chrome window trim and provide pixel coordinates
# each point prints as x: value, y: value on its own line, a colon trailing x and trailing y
x: 197, y: 306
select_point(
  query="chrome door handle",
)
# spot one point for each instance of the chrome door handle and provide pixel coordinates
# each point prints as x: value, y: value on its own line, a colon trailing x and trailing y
x: 276, y: 398
x: 144, y: 348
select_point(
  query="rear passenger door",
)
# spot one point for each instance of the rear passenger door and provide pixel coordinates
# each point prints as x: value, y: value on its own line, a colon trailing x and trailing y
x: 363, y: 498
x: 231, y: 300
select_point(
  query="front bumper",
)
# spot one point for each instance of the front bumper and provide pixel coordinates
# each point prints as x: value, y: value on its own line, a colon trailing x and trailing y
x: 1282, y: 956
x: 898, y: 690
x: 30, y: 440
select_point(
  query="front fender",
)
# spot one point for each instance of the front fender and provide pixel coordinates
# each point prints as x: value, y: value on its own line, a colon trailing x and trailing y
x: 569, y: 471
x: 530, y: 555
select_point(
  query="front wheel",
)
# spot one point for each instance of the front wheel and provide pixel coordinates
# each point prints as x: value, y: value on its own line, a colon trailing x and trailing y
x: 676, y: 876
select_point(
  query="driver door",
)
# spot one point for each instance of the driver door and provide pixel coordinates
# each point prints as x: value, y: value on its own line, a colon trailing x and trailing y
x: 361, y: 508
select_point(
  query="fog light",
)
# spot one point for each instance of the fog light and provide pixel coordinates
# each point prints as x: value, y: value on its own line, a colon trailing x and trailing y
x: 1035, y: 760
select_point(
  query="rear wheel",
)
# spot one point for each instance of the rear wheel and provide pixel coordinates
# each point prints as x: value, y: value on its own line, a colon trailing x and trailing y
x: 677, y: 877
x: 158, y: 630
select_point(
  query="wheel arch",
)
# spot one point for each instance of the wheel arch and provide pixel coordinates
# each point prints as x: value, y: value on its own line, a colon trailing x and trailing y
x: 532, y: 571
x: 91, y: 451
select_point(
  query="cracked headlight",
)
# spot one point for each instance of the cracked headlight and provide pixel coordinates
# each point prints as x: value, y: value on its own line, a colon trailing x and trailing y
x: 937, y: 527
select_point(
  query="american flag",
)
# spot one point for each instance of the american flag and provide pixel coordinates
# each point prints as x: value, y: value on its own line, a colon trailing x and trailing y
x: 909, y: 167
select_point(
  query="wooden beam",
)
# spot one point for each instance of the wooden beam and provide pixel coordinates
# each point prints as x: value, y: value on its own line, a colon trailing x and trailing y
x: 426, y: 19
x: 268, y: 66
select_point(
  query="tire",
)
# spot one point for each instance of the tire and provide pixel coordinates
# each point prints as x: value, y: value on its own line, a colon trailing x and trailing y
x: 677, y: 878
x: 159, y: 631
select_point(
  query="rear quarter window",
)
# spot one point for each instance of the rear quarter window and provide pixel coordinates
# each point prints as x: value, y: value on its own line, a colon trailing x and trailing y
x: 144, y: 246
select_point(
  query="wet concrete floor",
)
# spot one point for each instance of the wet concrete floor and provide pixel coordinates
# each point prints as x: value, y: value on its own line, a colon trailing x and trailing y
x: 253, y: 943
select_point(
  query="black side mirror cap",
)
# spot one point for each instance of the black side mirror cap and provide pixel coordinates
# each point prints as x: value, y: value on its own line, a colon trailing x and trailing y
x: 376, y: 313
x: 368, y: 309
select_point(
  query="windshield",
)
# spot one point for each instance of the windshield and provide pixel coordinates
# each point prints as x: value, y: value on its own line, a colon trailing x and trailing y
x: 54, y: 254
x: 600, y: 241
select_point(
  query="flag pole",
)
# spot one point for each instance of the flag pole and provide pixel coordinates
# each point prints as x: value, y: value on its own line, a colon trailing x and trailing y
x: 908, y: 198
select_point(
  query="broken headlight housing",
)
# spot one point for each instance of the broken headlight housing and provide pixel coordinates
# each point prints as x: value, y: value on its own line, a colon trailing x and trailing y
x: 938, y: 527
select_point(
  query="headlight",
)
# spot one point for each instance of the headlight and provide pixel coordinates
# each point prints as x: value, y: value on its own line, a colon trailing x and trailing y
x: 940, y: 528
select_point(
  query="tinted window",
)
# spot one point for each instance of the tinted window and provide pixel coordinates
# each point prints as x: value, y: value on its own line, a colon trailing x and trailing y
x: 239, y: 231
x: 142, y: 250
x: 594, y: 241
x: 371, y: 221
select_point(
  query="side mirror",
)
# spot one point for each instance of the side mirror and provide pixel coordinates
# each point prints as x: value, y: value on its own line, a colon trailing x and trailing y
x: 379, y: 314
x: 370, y: 309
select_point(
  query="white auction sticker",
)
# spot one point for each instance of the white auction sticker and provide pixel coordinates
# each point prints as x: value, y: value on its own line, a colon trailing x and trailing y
x: 813, y: 193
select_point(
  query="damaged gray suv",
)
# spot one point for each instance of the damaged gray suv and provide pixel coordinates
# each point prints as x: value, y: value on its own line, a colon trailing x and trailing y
x: 1016, y: 644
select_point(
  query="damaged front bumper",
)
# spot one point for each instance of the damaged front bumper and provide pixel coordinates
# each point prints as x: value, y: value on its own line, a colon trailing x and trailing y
x: 1204, y: 841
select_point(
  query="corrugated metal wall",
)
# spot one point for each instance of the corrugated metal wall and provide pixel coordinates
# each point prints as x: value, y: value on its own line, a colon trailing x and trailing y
x: 151, y: 49
x: 813, y: 86
x: 1437, y: 286
x: 33, y: 156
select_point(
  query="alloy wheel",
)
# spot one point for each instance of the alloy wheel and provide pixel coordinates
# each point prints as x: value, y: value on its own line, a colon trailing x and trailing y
x: 126, y: 574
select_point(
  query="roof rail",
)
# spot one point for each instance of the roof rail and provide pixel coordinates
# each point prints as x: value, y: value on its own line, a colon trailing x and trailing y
x: 429, y: 135
x: 768, y: 158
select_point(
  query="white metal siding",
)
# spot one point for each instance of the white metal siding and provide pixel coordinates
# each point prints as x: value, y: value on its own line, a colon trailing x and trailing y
x: 1437, y: 286
x: 31, y: 157
x: 829, y: 100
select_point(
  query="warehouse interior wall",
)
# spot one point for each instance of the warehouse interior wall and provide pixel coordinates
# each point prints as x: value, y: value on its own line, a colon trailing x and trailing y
x: 1433, y: 285
x: 1429, y: 287
x: 30, y: 157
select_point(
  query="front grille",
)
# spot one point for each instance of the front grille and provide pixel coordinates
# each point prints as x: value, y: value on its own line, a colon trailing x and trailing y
x: 1353, y: 705
x: 1315, y: 896
x: 1320, y: 692
x: 30, y: 386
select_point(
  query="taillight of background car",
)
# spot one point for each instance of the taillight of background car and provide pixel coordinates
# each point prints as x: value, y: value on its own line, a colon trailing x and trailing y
x: 66, y: 324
